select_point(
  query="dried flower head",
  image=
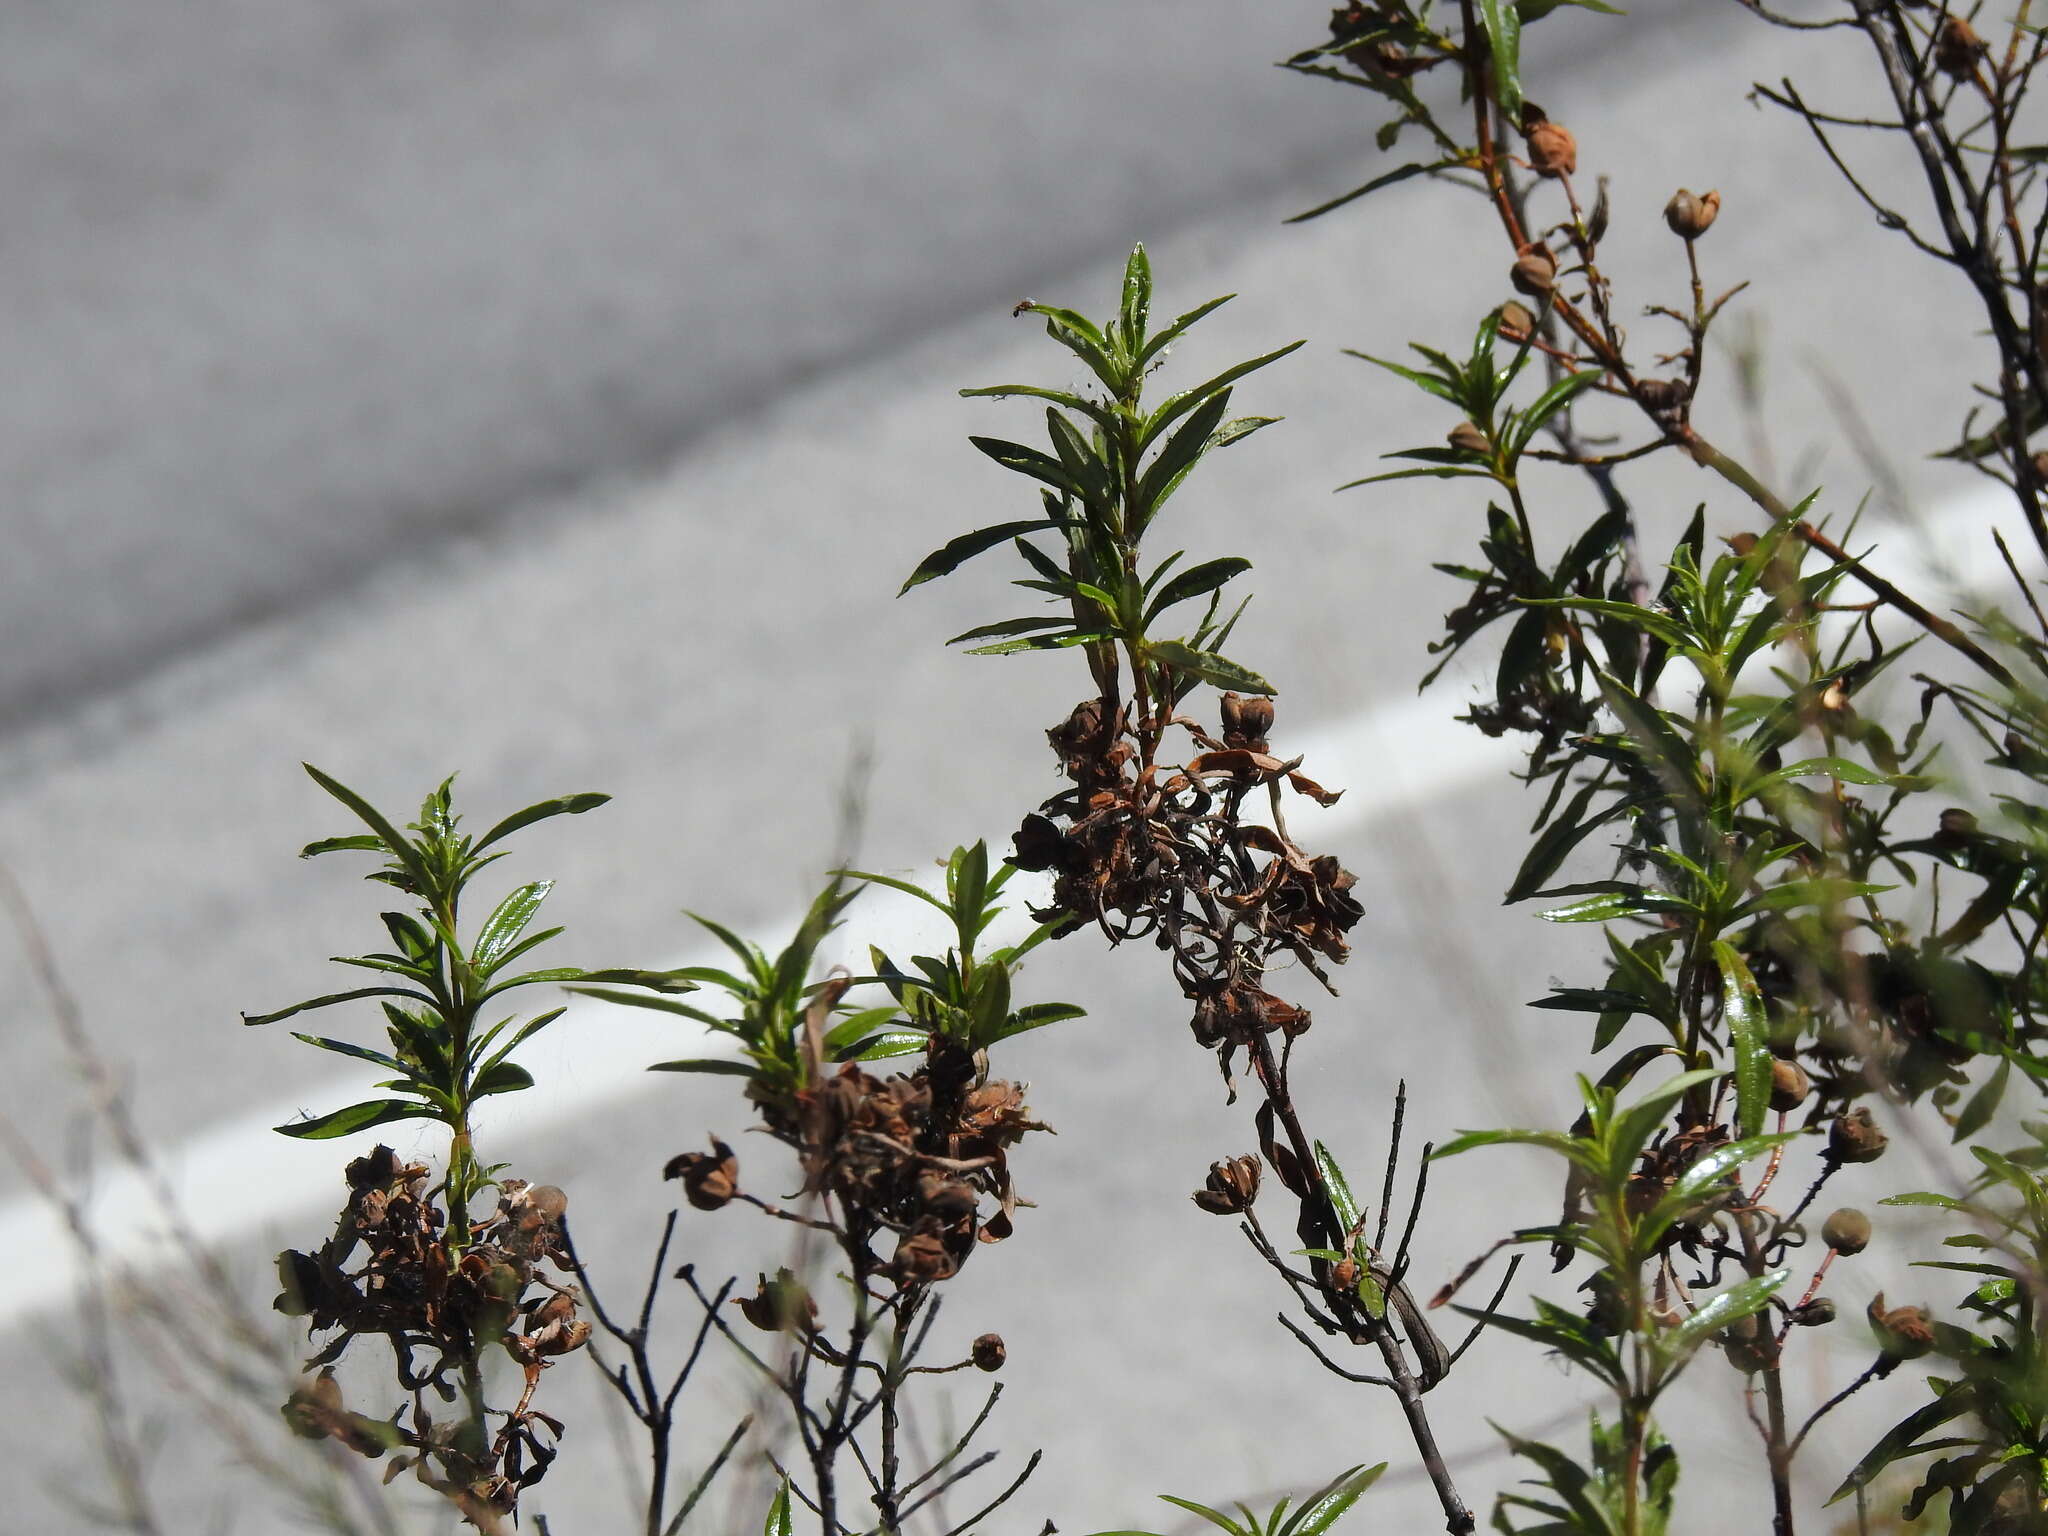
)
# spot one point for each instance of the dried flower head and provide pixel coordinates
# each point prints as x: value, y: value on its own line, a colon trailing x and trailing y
x: 1903, y: 1333
x: 1856, y: 1138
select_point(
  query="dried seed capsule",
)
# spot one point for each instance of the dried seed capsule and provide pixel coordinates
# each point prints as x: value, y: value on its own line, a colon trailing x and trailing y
x: 1817, y: 1313
x: 1958, y: 48
x: 1690, y: 216
x: 778, y: 1304
x: 1747, y: 1343
x: 1233, y: 1185
x: 1552, y: 149
x: 1903, y: 1333
x: 1846, y: 1231
x: 1248, y: 718
x: 1344, y: 1274
x: 710, y: 1179
x: 989, y: 1353
x: 1955, y: 828
x: 1856, y: 1138
x: 1662, y: 394
x: 1467, y: 438
x: 1516, y: 323
x: 1534, y: 272
x: 1789, y: 1085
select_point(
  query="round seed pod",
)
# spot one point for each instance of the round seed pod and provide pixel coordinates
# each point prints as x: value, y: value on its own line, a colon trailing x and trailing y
x: 1552, y: 149
x: 1817, y: 1313
x: 1534, y: 272
x: 1747, y: 1344
x: 1958, y: 48
x: 1467, y: 438
x: 1690, y: 217
x: 1847, y: 1231
x: 1789, y: 1085
x: 989, y: 1353
x: 1516, y: 323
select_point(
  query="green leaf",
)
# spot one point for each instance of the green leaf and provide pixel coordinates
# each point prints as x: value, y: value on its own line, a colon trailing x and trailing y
x: 1135, y: 310
x: 1386, y: 179
x: 1983, y: 1103
x: 1832, y: 768
x: 717, y: 1066
x: 1925, y: 1197
x: 336, y: 997
x: 1742, y: 1006
x: 1176, y: 406
x: 1179, y: 454
x: 361, y: 843
x: 890, y: 1042
x: 360, y: 1052
x: 957, y: 552
x: 357, y: 1117
x: 1503, y: 27
x: 1322, y: 1509
x: 778, y: 1523
x: 1208, y: 666
x: 1224, y: 1521
x: 1092, y: 409
x: 501, y: 1077
x: 1043, y: 642
x: 1194, y: 582
x: 1342, y: 1204
x: 1603, y: 908
x: 1011, y: 627
x: 658, y: 1004
x: 1175, y: 331
x: 563, y: 805
x: 1900, y: 1440
x: 1738, y: 1301
x: 393, y: 840
x: 1549, y: 403
x: 504, y: 925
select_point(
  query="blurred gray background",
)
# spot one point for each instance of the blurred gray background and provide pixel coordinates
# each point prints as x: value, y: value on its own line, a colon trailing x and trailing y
x: 559, y: 393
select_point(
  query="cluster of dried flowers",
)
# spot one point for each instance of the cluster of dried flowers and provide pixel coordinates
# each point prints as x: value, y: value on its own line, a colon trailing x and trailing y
x: 438, y: 1308
x: 1142, y: 850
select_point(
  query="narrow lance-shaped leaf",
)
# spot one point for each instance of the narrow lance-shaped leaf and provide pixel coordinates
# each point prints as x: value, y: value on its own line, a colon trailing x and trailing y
x: 1742, y: 1006
x: 1343, y: 1205
x: 1322, y: 1509
x: 957, y: 552
x: 1209, y: 667
x: 356, y: 1117
x: 1503, y: 25
x: 504, y: 925
x: 395, y: 842
x: 1738, y: 1301
x: 564, y: 805
x: 335, y: 997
